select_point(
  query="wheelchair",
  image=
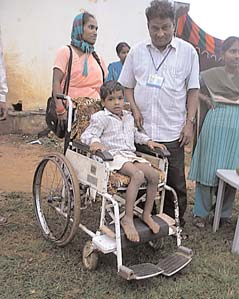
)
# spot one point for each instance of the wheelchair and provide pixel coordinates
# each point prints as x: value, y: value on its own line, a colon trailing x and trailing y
x: 65, y: 185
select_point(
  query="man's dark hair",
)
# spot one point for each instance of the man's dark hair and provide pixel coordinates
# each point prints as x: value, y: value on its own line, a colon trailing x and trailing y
x: 120, y: 46
x: 162, y: 9
x: 228, y: 42
x: 109, y: 87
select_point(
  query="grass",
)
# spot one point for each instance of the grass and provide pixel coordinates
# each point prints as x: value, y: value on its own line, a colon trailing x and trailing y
x: 32, y: 267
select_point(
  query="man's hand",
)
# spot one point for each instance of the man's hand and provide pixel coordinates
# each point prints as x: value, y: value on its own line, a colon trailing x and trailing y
x: 95, y: 146
x: 3, y: 109
x: 186, y: 134
x: 138, y: 118
x: 152, y: 145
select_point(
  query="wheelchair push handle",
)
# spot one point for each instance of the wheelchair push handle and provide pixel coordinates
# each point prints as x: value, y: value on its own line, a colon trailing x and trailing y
x: 61, y: 96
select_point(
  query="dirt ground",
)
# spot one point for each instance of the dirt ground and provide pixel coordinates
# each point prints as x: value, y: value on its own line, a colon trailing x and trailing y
x: 19, y: 158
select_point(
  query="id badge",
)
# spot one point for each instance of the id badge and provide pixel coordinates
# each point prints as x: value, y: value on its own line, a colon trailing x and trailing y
x: 155, y: 80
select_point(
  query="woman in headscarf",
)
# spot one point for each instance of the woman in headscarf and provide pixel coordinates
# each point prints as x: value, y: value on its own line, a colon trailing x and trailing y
x: 88, y: 69
x: 218, y: 143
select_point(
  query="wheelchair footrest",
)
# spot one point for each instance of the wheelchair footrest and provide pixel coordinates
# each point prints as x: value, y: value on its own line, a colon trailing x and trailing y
x: 144, y: 231
x: 140, y: 271
x: 175, y: 262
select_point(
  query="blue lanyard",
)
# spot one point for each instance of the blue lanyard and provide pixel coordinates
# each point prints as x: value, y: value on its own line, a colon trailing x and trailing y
x: 161, y: 63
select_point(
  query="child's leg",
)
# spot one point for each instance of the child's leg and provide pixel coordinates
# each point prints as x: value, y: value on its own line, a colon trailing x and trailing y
x: 136, y: 180
x: 152, y: 178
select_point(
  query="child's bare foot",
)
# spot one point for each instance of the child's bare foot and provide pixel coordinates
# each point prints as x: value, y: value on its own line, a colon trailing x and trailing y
x: 129, y: 229
x: 155, y: 227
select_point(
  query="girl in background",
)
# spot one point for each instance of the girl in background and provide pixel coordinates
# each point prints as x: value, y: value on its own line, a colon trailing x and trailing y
x: 114, y: 68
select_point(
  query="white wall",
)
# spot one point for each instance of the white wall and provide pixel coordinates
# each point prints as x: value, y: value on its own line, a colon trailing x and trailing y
x: 32, y: 31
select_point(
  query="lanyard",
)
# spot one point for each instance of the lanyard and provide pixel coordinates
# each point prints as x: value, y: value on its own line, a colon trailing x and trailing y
x: 161, y: 63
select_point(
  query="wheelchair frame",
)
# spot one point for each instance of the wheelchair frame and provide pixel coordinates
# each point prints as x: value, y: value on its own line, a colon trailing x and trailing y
x: 76, y: 177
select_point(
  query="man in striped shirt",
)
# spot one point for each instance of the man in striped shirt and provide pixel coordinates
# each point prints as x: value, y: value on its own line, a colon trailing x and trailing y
x: 161, y: 80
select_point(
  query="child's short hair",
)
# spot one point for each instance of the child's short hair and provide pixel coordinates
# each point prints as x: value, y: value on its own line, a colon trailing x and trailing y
x: 109, y: 87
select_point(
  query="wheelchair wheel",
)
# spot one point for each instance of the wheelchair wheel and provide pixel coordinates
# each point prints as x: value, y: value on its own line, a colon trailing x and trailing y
x: 89, y: 257
x: 56, y: 198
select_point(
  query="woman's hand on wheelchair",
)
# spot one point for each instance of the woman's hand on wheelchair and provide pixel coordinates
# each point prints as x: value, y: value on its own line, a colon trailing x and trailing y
x: 61, y: 112
x: 62, y: 116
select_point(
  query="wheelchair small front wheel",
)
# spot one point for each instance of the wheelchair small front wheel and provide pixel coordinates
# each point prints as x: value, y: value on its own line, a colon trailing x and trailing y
x: 56, y: 199
x: 89, y: 257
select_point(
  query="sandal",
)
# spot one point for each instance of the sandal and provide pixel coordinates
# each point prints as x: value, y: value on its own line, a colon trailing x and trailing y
x: 199, y: 222
x: 225, y: 222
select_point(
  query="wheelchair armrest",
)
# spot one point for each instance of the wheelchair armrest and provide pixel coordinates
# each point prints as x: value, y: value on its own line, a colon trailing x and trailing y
x: 80, y: 145
x: 162, y: 153
x: 104, y: 155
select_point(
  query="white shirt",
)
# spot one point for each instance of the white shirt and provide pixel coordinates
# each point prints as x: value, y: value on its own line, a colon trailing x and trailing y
x: 163, y: 109
x: 3, y: 79
x: 117, y: 134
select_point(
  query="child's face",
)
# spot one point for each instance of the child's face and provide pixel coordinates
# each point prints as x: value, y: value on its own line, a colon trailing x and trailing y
x: 114, y: 102
x: 123, y: 53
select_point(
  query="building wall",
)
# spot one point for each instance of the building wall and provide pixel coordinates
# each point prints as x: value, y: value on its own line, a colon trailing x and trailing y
x: 31, y: 31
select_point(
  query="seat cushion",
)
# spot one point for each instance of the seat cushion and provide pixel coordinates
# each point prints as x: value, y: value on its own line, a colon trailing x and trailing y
x: 116, y: 181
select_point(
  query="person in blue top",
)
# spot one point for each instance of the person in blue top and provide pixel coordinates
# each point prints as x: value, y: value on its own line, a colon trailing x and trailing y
x: 114, y: 68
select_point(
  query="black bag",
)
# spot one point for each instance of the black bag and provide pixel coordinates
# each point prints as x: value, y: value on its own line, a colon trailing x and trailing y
x: 58, y: 127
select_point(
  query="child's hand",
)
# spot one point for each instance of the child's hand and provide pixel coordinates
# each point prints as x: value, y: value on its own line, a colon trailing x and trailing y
x: 95, y: 146
x: 152, y: 145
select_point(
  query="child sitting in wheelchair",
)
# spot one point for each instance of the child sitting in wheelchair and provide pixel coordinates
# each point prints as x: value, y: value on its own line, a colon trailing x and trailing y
x: 113, y: 129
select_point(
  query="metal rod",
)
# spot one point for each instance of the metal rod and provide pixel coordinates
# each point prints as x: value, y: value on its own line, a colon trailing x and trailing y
x: 117, y: 230
x: 176, y: 212
x: 86, y: 230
